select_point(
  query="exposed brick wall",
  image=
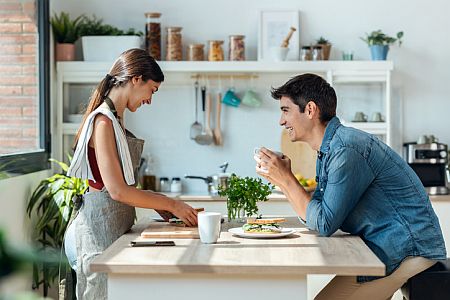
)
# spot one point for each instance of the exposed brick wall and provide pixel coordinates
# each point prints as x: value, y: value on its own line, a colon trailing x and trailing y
x: 18, y: 76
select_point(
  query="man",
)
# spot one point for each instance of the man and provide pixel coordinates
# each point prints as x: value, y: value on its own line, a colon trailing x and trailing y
x: 363, y: 188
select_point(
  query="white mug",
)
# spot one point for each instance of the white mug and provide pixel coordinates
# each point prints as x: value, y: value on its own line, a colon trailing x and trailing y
x: 209, y: 226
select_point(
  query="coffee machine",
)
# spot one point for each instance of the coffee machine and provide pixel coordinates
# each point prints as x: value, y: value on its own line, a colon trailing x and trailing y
x: 430, y: 162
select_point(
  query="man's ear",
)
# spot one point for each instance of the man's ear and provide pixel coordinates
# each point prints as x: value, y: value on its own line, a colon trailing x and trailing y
x: 312, y: 110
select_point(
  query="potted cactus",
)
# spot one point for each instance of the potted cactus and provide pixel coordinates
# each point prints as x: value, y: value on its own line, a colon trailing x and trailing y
x: 65, y: 32
x: 326, y: 47
x: 379, y: 43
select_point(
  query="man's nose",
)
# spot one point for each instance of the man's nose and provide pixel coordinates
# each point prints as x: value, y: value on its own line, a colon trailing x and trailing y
x: 282, y: 121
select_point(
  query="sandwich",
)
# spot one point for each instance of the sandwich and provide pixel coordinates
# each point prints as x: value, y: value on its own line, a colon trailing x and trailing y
x: 177, y: 222
x: 266, y: 225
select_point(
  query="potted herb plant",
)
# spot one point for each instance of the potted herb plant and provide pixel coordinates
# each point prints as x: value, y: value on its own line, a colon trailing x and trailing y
x: 52, y: 203
x: 243, y: 194
x: 325, y: 45
x: 66, y: 32
x: 103, y: 42
x: 379, y: 43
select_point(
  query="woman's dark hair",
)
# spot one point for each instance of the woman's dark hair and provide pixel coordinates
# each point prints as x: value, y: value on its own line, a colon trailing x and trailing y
x: 131, y: 63
x: 309, y: 87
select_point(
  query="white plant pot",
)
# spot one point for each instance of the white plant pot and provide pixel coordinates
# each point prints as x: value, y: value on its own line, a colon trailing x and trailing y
x: 108, y: 48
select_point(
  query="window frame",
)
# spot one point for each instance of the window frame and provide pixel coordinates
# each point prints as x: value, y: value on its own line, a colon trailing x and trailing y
x: 33, y: 161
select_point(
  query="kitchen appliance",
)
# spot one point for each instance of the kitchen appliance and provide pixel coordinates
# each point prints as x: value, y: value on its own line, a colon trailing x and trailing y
x: 430, y: 162
x: 214, y: 181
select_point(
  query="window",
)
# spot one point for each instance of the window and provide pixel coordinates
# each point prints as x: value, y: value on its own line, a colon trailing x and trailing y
x: 24, y: 87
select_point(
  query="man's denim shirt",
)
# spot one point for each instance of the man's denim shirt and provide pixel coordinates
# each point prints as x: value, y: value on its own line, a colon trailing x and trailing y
x: 366, y: 189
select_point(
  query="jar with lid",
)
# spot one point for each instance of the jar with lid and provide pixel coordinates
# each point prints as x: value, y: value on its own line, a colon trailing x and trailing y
x: 236, y: 47
x: 175, y: 187
x: 153, y: 34
x: 317, y: 53
x: 174, y: 49
x: 195, y: 52
x: 164, y: 184
x: 215, y: 52
x: 149, y: 178
x: 305, y: 53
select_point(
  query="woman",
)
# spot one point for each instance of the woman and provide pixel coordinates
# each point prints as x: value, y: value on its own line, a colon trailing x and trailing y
x: 108, y: 156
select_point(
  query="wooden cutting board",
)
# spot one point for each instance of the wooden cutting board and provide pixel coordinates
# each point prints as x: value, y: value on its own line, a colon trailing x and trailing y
x: 303, y: 158
x: 164, y: 230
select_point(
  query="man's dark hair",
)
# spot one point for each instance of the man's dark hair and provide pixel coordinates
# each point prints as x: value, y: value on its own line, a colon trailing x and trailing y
x: 309, y: 87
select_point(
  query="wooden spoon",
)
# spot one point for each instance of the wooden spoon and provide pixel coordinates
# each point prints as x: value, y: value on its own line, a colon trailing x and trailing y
x: 217, y: 133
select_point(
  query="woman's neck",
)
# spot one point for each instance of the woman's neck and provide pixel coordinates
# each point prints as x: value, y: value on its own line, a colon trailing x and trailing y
x: 119, y: 100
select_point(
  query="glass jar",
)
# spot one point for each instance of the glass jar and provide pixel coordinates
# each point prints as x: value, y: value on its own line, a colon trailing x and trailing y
x: 164, y: 184
x: 317, y: 53
x: 215, y: 52
x: 174, y: 46
x: 175, y: 187
x: 196, y: 52
x: 153, y: 34
x: 236, y: 47
x: 305, y: 53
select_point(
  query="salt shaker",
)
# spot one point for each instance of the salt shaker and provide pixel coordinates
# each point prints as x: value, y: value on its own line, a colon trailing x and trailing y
x: 164, y: 184
x: 175, y: 187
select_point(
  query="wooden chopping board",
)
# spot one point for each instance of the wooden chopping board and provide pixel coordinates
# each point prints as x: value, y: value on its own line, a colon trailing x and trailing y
x: 303, y: 157
x: 164, y: 230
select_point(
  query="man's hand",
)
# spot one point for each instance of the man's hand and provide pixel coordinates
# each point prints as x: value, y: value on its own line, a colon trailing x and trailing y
x: 273, y: 167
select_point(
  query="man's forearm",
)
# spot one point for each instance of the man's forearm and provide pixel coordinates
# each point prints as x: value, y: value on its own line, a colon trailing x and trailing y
x: 296, y: 195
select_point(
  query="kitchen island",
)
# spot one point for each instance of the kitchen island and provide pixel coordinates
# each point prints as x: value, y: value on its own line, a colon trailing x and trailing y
x: 234, y: 267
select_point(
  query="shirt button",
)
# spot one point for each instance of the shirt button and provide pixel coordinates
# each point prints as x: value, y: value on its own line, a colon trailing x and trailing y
x: 321, y: 189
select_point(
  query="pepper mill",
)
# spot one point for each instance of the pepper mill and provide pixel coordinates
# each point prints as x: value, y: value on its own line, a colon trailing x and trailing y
x: 285, y: 42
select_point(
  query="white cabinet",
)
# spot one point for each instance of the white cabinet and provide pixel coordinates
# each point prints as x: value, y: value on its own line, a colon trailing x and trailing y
x: 75, y: 81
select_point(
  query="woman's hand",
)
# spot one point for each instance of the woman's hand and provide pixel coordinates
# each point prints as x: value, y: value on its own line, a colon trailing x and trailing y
x: 185, y: 213
x: 273, y: 167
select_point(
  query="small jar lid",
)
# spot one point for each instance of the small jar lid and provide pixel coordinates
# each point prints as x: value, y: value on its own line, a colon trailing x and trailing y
x: 196, y: 45
x: 237, y: 36
x: 174, y: 29
x: 164, y: 178
x: 216, y: 41
x: 153, y: 15
x: 306, y: 47
x: 317, y: 47
x: 176, y: 179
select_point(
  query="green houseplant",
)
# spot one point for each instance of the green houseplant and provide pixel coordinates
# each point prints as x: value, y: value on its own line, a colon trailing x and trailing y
x: 243, y: 194
x: 51, y: 202
x: 379, y: 43
x: 102, y: 42
x: 326, y: 47
x: 66, y: 31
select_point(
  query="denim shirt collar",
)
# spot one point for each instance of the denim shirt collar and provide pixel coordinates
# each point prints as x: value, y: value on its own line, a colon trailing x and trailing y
x: 330, y: 130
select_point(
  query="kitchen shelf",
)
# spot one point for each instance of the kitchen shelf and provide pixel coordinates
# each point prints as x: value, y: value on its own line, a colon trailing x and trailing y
x: 335, y: 72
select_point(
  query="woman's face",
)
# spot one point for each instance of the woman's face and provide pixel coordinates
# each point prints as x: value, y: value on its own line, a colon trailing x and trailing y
x: 141, y: 92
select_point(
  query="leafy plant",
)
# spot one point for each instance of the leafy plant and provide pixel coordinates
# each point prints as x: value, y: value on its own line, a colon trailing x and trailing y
x: 377, y: 37
x: 322, y: 41
x: 242, y: 194
x: 65, y: 29
x: 94, y: 26
x: 52, y: 202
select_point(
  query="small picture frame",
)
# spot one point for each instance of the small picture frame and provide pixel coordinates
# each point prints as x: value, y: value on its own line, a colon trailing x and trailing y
x: 273, y: 28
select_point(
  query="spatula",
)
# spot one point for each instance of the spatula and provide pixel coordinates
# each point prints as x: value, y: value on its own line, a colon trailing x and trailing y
x: 205, y: 137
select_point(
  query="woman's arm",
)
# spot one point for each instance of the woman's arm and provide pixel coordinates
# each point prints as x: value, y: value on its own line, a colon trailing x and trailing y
x: 104, y: 142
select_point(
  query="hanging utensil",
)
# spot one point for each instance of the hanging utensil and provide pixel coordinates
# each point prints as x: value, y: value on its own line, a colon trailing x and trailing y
x: 205, y: 137
x: 196, y: 127
x: 217, y: 133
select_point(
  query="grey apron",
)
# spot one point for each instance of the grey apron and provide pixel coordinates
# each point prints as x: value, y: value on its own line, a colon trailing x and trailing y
x: 99, y: 222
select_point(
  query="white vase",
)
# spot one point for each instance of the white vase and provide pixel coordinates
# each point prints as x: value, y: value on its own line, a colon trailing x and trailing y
x: 106, y: 47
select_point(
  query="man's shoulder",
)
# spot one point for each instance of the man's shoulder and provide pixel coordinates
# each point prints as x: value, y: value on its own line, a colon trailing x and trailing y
x: 349, y: 136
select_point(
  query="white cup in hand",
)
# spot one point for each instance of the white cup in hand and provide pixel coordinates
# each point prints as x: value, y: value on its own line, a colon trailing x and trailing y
x: 209, y: 226
x: 257, y: 158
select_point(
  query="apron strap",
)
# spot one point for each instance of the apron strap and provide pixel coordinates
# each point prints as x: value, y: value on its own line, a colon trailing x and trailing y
x: 111, y: 106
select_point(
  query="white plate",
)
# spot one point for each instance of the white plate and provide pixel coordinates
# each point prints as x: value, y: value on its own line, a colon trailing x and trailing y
x: 158, y: 219
x: 240, y: 232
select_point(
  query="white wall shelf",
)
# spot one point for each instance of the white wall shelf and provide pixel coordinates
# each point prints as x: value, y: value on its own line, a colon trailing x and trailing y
x: 335, y: 72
